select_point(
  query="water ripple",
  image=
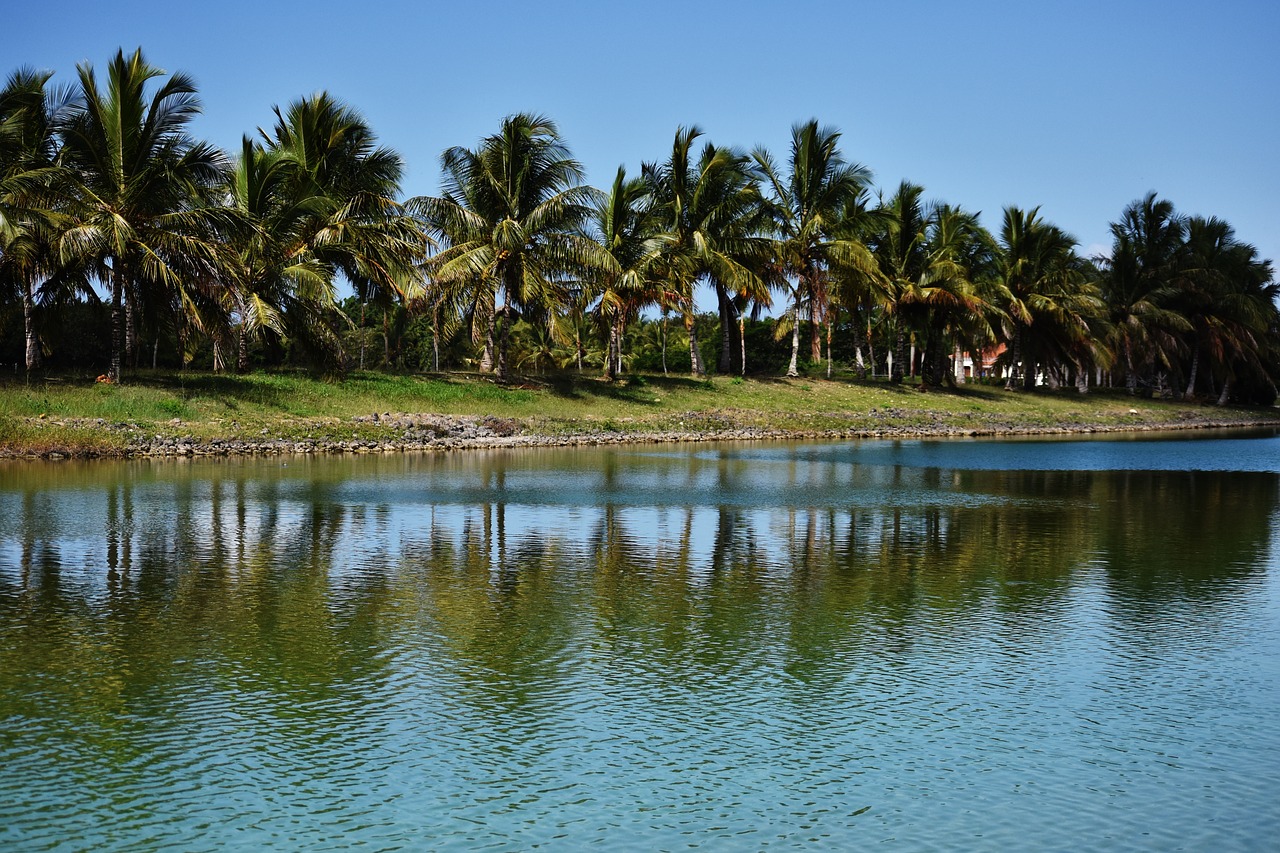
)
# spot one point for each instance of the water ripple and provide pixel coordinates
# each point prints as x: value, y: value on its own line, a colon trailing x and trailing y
x: 918, y: 658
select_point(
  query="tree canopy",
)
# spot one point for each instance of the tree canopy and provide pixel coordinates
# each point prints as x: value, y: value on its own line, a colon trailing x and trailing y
x: 119, y: 226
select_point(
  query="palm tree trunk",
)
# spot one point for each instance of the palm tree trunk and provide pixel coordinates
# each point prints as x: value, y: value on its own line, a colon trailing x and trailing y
x: 742, y: 342
x: 386, y: 339
x: 1015, y: 359
x: 612, y: 358
x: 899, y: 357
x: 726, y: 331
x: 696, y: 368
x: 937, y: 370
x: 793, y: 368
x: 486, y: 358
x: 871, y: 347
x: 131, y: 328
x: 622, y: 333
x: 830, y: 357
x: 1131, y: 376
x: 435, y: 338
x: 1028, y: 369
x: 117, y: 324
x: 1226, y: 392
x: 362, y: 340
x: 242, y: 355
x: 664, y: 342
x: 29, y: 327
x: 815, y: 326
x: 500, y: 363
x: 1195, y: 365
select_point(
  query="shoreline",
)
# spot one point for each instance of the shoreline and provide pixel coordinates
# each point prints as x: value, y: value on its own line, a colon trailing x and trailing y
x: 434, y: 433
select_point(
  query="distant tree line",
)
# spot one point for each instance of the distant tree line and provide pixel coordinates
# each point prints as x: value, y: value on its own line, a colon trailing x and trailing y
x: 127, y: 243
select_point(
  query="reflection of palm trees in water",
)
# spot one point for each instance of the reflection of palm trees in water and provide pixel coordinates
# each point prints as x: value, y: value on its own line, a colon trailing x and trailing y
x: 119, y: 532
x: 241, y: 567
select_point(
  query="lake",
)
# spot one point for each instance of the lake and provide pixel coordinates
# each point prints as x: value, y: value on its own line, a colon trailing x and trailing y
x: 963, y: 644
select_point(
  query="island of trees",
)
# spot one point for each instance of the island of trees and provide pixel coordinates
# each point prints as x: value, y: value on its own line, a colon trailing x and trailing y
x: 127, y: 243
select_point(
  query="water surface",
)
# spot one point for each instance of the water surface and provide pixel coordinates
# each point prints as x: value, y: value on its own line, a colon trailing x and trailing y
x: 927, y: 644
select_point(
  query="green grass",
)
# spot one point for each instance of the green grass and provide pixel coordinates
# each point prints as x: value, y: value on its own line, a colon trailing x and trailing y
x: 61, y: 412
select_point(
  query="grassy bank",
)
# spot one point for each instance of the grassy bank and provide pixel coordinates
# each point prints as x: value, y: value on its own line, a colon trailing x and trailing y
x: 73, y: 416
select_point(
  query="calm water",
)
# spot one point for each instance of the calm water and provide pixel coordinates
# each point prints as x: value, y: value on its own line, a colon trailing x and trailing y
x: 918, y: 645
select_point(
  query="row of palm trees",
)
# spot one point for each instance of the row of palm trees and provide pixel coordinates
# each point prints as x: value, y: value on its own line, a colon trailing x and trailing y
x: 107, y: 187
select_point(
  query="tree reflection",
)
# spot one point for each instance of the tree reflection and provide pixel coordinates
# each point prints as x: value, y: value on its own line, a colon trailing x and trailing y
x: 305, y: 589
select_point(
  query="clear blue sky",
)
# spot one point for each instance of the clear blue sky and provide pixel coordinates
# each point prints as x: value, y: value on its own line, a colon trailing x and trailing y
x: 1077, y: 107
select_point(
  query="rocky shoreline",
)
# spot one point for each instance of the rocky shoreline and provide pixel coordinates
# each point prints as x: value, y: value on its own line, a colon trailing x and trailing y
x: 433, y: 433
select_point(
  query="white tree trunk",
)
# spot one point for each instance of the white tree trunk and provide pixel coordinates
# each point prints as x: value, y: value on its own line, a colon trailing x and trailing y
x: 793, y: 368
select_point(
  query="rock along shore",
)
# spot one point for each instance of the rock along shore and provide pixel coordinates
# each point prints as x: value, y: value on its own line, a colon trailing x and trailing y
x: 433, y: 433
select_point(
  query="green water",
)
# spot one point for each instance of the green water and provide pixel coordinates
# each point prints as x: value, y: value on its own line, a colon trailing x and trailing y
x: 918, y: 645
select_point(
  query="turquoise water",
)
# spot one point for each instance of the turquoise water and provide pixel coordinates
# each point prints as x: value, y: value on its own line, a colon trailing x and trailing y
x: 916, y: 644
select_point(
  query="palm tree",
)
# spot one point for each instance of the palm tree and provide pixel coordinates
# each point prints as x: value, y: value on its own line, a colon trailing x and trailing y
x: 511, y: 220
x: 1138, y: 287
x: 626, y: 223
x: 812, y: 210
x: 361, y: 230
x: 934, y: 260
x: 31, y: 185
x: 145, y: 190
x: 710, y: 213
x: 319, y: 196
x: 1226, y: 294
x: 276, y: 280
x: 956, y: 295
x: 1050, y: 304
x: 899, y: 244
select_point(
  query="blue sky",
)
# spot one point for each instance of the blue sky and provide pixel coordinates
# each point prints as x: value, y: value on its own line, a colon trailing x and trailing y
x: 1079, y: 108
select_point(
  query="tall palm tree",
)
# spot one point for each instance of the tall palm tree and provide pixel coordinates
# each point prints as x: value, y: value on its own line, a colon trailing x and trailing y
x: 145, y: 190
x: 32, y: 188
x: 511, y: 221
x: 626, y: 223
x: 276, y: 279
x: 711, y: 216
x: 335, y: 160
x: 900, y: 247
x: 319, y: 196
x: 812, y: 208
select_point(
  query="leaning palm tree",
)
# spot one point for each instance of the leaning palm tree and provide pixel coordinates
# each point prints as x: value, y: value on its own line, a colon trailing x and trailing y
x: 145, y: 191
x: 711, y: 216
x: 812, y: 209
x: 511, y: 221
